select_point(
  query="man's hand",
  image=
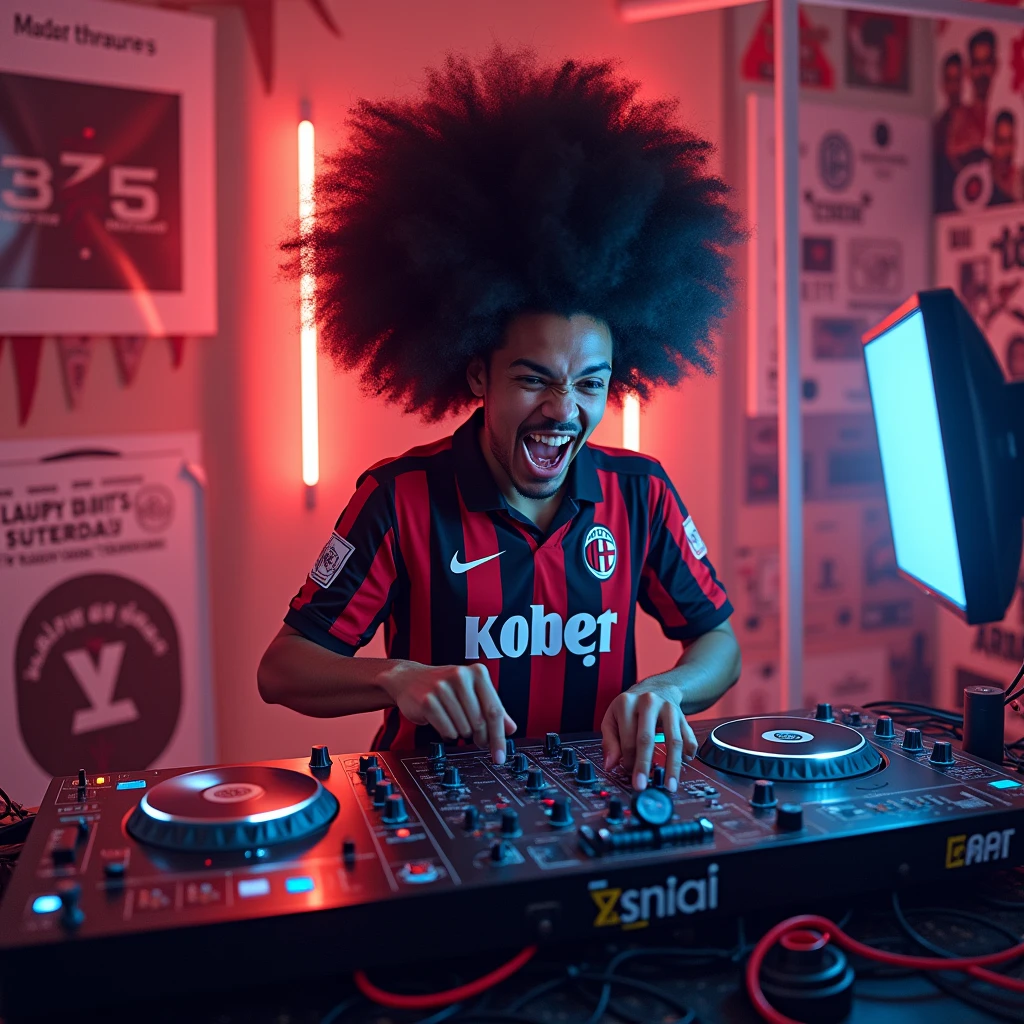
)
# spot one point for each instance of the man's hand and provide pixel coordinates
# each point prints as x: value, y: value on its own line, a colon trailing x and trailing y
x: 457, y: 700
x: 630, y: 724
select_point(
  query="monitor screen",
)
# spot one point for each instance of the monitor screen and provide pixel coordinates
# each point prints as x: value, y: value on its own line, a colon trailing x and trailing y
x: 913, y: 458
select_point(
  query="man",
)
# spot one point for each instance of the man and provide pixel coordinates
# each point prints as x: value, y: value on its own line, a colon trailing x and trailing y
x: 1006, y: 177
x: 968, y: 125
x: 944, y: 171
x: 536, y: 240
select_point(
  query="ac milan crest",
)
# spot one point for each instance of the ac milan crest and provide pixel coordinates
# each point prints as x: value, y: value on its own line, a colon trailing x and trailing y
x: 599, y: 551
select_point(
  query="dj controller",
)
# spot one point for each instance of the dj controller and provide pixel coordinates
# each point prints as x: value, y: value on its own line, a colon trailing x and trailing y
x: 136, y: 884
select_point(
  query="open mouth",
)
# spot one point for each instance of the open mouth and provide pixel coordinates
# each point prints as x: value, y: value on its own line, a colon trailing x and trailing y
x: 547, y: 454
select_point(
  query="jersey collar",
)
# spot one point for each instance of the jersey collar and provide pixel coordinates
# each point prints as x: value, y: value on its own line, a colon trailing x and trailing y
x: 479, y: 488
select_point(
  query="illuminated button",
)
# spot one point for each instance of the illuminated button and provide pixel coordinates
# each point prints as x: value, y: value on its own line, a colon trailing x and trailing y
x: 1004, y: 784
x: 418, y: 872
x: 100, y: 779
x: 402, y: 833
x: 300, y: 883
x: 133, y: 784
x: 254, y: 887
x: 46, y: 904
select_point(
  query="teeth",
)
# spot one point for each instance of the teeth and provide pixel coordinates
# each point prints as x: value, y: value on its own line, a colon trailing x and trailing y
x: 554, y: 439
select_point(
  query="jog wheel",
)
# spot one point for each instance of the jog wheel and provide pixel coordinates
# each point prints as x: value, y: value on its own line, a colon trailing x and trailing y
x: 789, y: 750
x: 233, y: 808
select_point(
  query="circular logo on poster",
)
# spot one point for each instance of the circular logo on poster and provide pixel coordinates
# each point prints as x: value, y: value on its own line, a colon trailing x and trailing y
x: 154, y: 508
x: 835, y: 161
x: 97, y: 670
x: 599, y: 551
x: 786, y: 736
x: 973, y: 186
x: 233, y: 794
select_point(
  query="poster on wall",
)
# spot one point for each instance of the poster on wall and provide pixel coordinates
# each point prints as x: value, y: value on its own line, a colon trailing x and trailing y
x: 877, y: 50
x: 864, y: 227
x: 977, y: 150
x: 107, y: 210
x: 103, y: 621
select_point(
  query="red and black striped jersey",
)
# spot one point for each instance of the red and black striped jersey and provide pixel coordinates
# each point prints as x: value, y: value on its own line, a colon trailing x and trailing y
x: 429, y: 547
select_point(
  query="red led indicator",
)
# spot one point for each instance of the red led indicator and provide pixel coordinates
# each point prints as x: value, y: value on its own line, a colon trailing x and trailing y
x: 604, y: 793
x: 402, y: 833
x: 548, y: 802
x: 501, y: 806
x: 419, y: 869
x: 207, y: 862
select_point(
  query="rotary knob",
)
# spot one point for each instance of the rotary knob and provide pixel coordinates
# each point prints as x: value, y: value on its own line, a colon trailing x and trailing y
x: 319, y: 757
x: 942, y: 753
x: 510, y: 823
x: 501, y: 851
x: 452, y: 778
x: 510, y: 747
x: 520, y: 763
x: 366, y: 763
x: 436, y: 751
x: 884, y: 729
x: 658, y: 776
x: 569, y: 759
x: 823, y: 712
x: 912, y: 742
x: 381, y: 793
x: 535, y: 780
x: 114, y: 870
x: 373, y: 776
x: 561, y: 815
x: 764, y: 795
x: 348, y: 851
x: 614, y: 814
x: 789, y: 818
x: 585, y: 773
x: 71, y: 915
x: 552, y: 743
x: 470, y: 818
x: 853, y: 718
x: 394, y: 810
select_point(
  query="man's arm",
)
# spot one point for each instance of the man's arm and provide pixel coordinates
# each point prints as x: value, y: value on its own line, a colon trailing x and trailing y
x: 707, y: 668
x: 709, y: 665
x: 457, y: 700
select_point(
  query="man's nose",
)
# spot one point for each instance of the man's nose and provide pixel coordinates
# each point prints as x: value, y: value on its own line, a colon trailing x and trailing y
x: 560, y: 403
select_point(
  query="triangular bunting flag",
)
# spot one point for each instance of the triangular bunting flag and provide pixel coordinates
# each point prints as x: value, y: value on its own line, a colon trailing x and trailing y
x: 27, y: 353
x: 75, y: 354
x: 177, y: 350
x: 128, y: 350
x: 758, y: 64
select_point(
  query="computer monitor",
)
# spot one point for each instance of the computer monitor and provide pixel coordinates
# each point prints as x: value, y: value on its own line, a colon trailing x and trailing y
x: 951, y: 438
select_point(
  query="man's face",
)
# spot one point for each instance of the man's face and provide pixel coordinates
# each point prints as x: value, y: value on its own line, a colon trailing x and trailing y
x: 952, y: 83
x: 983, y: 68
x: 533, y: 427
x: 1004, y: 143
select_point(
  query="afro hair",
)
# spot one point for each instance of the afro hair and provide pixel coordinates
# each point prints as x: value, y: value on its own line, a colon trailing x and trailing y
x: 510, y: 187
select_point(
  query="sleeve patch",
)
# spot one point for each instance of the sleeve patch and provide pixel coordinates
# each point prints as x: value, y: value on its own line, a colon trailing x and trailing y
x: 331, y: 561
x: 693, y: 538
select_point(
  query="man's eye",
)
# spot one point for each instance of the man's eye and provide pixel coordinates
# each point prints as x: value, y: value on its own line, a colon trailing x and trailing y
x: 531, y: 380
x: 593, y: 385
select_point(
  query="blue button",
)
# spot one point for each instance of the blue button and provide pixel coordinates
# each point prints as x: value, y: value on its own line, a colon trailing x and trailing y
x: 46, y: 904
x: 1005, y: 784
x: 301, y: 883
x: 134, y: 784
x: 254, y: 887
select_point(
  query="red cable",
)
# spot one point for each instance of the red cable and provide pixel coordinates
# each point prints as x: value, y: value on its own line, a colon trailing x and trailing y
x: 972, y: 965
x: 452, y: 995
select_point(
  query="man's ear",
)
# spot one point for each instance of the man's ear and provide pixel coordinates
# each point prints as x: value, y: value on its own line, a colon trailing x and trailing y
x: 476, y: 376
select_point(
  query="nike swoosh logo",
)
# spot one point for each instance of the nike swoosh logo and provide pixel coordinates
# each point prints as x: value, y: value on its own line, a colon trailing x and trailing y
x: 459, y: 567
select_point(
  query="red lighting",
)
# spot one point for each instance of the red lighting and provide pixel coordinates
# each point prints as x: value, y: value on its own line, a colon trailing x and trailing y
x: 501, y: 806
x: 604, y: 793
x: 207, y: 862
x: 548, y: 802
x: 88, y: 133
x: 402, y: 833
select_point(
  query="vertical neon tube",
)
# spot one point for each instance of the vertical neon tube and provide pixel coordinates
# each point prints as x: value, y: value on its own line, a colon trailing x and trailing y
x: 307, y: 294
x: 631, y: 423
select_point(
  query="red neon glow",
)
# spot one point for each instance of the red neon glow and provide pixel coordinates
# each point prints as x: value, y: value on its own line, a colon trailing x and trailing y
x: 307, y: 345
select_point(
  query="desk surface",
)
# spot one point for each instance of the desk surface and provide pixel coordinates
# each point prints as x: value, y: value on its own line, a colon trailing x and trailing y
x: 971, y: 920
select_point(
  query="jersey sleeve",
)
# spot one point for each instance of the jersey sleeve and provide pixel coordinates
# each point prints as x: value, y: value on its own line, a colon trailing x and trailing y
x: 350, y: 589
x: 678, y: 585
